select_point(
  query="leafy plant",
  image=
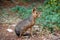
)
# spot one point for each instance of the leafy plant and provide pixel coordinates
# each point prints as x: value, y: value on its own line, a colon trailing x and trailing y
x: 50, y: 14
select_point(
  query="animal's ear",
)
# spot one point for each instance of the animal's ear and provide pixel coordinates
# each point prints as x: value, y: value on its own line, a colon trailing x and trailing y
x: 34, y: 9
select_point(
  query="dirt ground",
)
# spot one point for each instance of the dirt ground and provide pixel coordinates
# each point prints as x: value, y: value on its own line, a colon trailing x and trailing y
x: 5, y: 35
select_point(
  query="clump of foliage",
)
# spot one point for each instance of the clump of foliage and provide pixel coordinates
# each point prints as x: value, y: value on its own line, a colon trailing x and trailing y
x: 22, y: 11
x: 50, y: 14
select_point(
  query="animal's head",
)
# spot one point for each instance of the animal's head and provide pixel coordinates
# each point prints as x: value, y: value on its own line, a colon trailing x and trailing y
x: 35, y: 13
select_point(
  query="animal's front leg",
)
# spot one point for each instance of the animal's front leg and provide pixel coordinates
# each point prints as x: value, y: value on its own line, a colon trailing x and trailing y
x: 31, y: 32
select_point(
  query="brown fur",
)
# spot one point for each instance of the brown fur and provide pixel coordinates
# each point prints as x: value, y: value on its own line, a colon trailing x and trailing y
x: 24, y: 25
